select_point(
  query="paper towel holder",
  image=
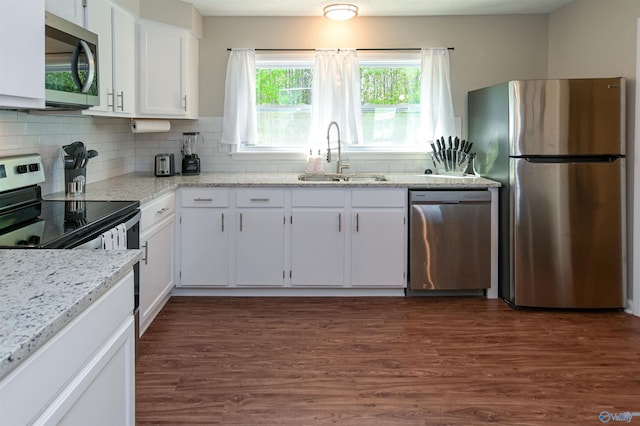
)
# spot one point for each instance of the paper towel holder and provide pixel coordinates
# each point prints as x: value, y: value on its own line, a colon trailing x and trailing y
x: 147, y: 125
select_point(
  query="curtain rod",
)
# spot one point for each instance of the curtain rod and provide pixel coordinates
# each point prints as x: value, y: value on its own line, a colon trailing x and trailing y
x: 365, y: 49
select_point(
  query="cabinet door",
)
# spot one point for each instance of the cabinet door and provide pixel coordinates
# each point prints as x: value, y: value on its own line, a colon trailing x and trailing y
x: 99, y: 22
x: 378, y: 248
x: 204, y: 241
x: 260, y: 247
x: 156, y: 269
x: 22, y: 54
x: 71, y: 10
x: 103, y: 391
x: 161, y: 78
x: 124, y: 61
x: 317, y: 247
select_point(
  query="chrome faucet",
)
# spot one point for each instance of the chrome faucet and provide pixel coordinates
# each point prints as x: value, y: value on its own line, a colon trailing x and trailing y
x: 341, y: 164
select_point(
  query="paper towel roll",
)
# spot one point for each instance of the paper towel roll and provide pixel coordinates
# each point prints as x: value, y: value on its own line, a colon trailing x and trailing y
x: 150, y: 126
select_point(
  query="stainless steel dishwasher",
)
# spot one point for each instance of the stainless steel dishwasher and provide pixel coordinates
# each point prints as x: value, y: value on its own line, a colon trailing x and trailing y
x: 449, y: 240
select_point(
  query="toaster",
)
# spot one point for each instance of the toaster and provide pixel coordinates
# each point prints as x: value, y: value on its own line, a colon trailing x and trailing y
x: 165, y: 165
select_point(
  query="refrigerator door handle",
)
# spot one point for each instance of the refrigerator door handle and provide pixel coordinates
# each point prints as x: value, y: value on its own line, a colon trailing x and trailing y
x: 575, y: 159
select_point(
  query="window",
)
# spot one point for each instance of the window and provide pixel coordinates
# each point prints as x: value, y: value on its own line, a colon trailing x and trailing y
x: 283, y: 102
x: 390, y: 93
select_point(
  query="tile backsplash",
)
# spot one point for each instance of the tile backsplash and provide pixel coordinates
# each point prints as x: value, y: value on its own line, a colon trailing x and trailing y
x: 121, y: 151
x: 215, y: 157
x: 45, y: 134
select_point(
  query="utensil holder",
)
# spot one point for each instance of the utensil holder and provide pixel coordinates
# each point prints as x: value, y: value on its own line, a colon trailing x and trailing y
x: 75, y: 181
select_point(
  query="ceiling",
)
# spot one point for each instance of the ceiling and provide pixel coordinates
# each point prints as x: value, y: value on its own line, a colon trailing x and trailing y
x: 377, y: 7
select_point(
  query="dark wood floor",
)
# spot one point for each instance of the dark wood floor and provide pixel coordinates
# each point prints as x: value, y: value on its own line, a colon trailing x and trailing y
x: 384, y: 361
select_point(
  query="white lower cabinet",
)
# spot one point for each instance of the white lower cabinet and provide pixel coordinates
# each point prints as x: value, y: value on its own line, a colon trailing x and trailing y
x: 378, y: 238
x: 157, y: 240
x: 204, y: 237
x: 84, y: 375
x: 260, y: 237
x: 318, y: 230
x: 313, y: 238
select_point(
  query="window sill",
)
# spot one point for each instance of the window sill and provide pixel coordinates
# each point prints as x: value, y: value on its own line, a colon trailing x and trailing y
x: 360, y: 155
x: 266, y: 155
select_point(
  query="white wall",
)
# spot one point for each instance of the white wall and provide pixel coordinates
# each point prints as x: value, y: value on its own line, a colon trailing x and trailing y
x: 488, y: 49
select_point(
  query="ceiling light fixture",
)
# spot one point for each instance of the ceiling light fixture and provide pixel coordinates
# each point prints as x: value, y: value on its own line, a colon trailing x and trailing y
x: 340, y: 12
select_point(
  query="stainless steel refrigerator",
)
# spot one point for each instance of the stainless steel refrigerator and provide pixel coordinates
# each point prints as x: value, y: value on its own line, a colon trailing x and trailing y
x: 558, y: 148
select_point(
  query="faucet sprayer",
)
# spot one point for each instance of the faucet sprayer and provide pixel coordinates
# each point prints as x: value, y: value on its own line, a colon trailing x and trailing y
x: 341, y: 164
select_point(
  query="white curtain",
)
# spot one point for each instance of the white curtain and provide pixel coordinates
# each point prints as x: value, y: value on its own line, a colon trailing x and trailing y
x: 240, y: 122
x: 436, y: 103
x: 336, y: 96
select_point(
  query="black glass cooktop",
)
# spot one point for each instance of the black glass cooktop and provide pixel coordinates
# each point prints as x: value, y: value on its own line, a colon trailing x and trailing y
x: 61, y: 224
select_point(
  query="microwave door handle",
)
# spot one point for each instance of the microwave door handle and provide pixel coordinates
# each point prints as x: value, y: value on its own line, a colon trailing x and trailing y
x: 82, y: 45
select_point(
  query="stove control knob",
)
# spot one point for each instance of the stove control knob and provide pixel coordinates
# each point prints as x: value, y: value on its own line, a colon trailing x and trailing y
x: 21, y: 169
x: 34, y: 167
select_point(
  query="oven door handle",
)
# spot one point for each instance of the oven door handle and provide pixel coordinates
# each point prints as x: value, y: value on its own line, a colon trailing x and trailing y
x: 133, y: 221
x: 96, y: 243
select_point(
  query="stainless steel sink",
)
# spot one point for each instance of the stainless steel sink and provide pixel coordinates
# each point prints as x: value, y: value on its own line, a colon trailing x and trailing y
x: 342, y: 177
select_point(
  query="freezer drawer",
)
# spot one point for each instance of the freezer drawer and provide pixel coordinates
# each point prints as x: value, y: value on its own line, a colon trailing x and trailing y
x: 449, y: 240
x: 568, y: 234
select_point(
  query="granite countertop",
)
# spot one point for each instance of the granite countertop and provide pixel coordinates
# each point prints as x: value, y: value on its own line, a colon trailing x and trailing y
x: 145, y: 187
x: 37, y: 302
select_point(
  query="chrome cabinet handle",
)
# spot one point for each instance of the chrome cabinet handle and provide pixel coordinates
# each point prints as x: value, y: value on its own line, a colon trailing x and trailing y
x: 163, y: 211
x: 185, y: 103
x: 240, y: 222
x: 222, y: 222
x: 203, y: 199
x: 110, y: 105
x: 339, y: 222
x: 259, y: 199
x: 146, y: 252
x: 121, y: 96
x: 357, y: 222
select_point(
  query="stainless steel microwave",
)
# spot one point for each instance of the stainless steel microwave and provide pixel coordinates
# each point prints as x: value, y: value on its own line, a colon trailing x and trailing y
x: 71, y: 65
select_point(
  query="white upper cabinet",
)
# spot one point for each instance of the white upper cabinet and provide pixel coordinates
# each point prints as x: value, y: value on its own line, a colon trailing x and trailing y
x: 116, y: 29
x: 167, y: 71
x: 22, y: 54
x: 124, y: 61
x: 71, y: 10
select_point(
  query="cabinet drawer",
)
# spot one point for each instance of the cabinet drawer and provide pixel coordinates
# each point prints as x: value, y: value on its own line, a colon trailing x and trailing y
x: 379, y: 198
x: 204, y: 197
x: 157, y: 210
x: 318, y: 198
x: 260, y: 198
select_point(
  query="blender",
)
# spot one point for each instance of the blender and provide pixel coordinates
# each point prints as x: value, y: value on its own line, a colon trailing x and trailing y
x: 190, y: 160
